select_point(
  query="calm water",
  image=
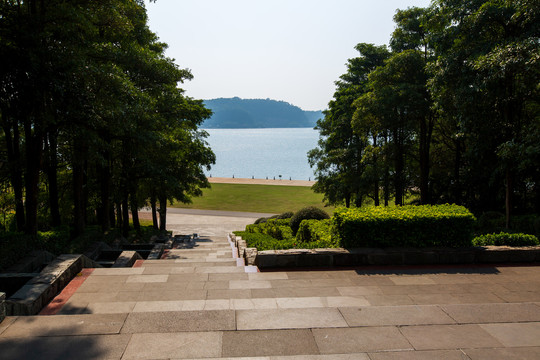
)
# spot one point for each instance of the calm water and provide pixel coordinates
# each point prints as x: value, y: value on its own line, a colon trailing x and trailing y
x: 262, y: 152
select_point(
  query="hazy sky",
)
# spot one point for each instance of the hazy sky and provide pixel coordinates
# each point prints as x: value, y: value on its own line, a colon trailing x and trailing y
x: 291, y: 50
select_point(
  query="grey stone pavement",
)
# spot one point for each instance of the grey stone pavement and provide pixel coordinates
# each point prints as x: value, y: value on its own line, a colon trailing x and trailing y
x: 199, y: 304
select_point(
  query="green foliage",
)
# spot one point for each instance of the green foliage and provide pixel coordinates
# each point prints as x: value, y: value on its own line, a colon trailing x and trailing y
x: 307, y: 213
x: 319, y: 231
x: 285, y: 215
x: 404, y: 226
x: 264, y: 241
x: 506, y: 239
x: 277, y: 228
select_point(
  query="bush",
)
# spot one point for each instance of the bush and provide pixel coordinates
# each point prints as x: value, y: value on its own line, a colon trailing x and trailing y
x: 314, y: 230
x: 261, y: 220
x: 285, y: 215
x: 505, y: 239
x: 403, y: 226
x: 307, y: 213
x: 264, y: 241
x: 277, y: 228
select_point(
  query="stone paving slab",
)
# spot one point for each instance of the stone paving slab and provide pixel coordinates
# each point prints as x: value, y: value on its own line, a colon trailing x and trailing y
x: 419, y: 355
x: 493, y: 313
x: 72, y: 347
x: 179, y: 321
x: 441, y: 337
x: 395, y: 315
x: 357, y: 340
x: 268, y: 342
x: 515, y: 335
x: 525, y: 353
x: 186, y: 345
x: 289, y: 319
x: 58, y: 325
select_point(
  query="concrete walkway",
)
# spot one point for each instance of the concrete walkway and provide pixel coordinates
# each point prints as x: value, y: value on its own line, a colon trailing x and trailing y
x: 198, y: 303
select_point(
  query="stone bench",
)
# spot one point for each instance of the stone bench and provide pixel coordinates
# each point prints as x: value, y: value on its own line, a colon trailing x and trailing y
x: 41, y: 289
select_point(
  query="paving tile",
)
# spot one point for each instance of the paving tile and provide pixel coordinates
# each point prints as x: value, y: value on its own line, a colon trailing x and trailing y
x: 276, y: 284
x: 331, y: 283
x: 156, y: 306
x: 110, y: 307
x: 228, y: 277
x: 249, y: 284
x: 411, y: 280
x: 187, y: 277
x: 222, y: 304
x: 65, y: 347
x: 221, y: 285
x: 322, y: 357
x: 433, y: 337
x: 264, y: 303
x: 299, y: 303
x: 106, y: 279
x: 263, y: 293
x: 289, y: 318
x: 228, y: 294
x: 359, y: 290
x: 395, y: 315
x: 147, y: 278
x: 388, y: 300
x: 493, y: 313
x: 346, y: 301
x: 432, y: 299
x: 515, y: 334
x: 358, y: 340
x: 514, y: 353
x: 192, y: 305
x: 520, y: 296
x: 268, y: 342
x: 187, y: 294
x: 6, y: 323
x: 268, y: 276
x: 168, y: 286
x: 180, y: 346
x: 59, y: 325
x: 419, y: 355
x: 477, y: 298
x: 218, y: 270
x: 117, y: 271
x: 178, y: 321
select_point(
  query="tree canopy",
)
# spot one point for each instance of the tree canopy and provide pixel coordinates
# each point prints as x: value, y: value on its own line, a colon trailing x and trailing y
x: 94, y: 123
x: 451, y: 112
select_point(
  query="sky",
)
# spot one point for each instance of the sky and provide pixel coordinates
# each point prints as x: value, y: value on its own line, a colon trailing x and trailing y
x: 289, y: 50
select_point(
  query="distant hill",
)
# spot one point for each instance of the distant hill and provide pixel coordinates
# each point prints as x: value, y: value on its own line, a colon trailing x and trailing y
x: 236, y: 113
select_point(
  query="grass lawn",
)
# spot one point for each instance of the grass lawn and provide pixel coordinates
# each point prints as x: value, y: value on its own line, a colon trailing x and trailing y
x: 273, y: 199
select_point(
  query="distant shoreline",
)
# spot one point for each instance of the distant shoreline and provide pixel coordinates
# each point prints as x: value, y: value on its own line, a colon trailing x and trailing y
x: 284, y: 182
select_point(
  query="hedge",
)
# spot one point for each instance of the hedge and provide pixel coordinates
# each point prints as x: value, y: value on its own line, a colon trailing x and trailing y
x: 314, y: 230
x: 403, y: 226
x: 505, y: 239
x: 264, y: 241
x: 277, y: 228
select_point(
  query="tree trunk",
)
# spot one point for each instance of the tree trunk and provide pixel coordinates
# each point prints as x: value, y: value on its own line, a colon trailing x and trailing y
x: 105, y: 175
x: 78, y: 196
x: 15, y: 168
x: 154, y: 212
x: 125, y: 216
x: 119, y: 220
x: 52, y: 177
x: 135, y: 213
x: 509, y: 191
x: 34, y: 143
x: 162, y: 213
x: 398, y: 168
x: 426, y: 131
x: 375, y: 175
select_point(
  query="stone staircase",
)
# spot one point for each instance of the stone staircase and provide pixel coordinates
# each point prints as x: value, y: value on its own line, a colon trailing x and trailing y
x: 200, y: 302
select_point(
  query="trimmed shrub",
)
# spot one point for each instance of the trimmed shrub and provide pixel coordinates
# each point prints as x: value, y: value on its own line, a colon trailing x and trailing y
x: 307, y: 213
x: 264, y: 241
x: 314, y: 230
x: 285, y: 215
x: 261, y: 220
x: 404, y: 226
x: 505, y: 239
x: 277, y: 228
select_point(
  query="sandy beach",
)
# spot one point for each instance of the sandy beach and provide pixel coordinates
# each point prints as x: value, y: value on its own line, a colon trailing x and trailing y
x: 222, y: 180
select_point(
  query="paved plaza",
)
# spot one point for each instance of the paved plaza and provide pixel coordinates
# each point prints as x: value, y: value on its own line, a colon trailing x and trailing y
x: 199, y: 303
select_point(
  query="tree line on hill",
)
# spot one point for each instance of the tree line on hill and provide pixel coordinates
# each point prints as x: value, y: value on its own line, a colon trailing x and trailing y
x: 236, y: 113
x: 450, y: 110
x: 93, y: 122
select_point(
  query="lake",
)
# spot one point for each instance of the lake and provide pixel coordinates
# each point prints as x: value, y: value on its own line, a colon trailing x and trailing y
x: 262, y: 153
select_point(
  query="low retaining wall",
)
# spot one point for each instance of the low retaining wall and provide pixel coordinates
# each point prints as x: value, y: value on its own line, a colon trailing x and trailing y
x: 39, y: 291
x: 126, y: 259
x: 2, y: 306
x: 392, y: 256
